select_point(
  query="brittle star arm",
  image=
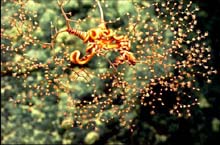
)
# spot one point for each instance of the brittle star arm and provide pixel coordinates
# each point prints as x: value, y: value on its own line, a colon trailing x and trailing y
x: 75, y: 55
x: 82, y: 35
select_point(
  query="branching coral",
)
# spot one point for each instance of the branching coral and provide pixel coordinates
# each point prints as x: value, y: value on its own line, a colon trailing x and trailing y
x: 153, y: 61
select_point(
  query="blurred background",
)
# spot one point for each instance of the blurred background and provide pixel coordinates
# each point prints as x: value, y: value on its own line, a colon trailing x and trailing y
x: 36, y: 115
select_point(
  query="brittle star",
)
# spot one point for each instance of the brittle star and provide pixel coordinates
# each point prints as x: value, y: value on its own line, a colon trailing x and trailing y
x: 98, y: 39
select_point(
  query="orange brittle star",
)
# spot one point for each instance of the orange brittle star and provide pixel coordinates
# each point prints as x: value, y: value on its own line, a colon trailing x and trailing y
x: 99, y: 39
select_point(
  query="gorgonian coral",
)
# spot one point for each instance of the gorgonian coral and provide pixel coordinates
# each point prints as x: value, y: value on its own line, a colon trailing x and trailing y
x: 151, y: 56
